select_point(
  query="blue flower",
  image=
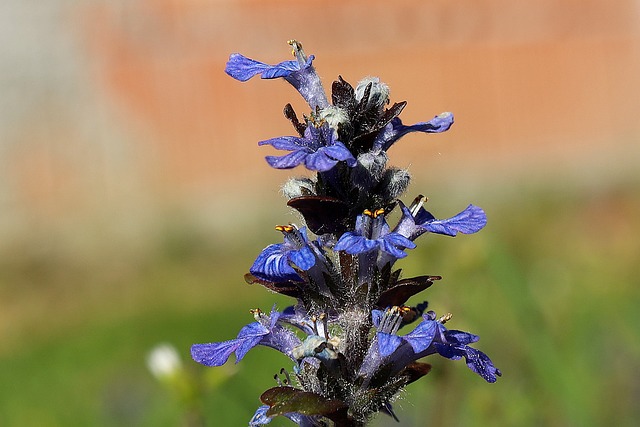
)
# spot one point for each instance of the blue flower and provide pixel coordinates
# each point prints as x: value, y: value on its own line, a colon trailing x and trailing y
x: 319, y: 150
x: 274, y: 262
x: 388, y: 323
x: 274, y: 267
x: 429, y: 337
x: 396, y: 130
x: 299, y: 73
x: 387, y: 342
x: 371, y: 233
x: 264, y: 331
x: 416, y: 221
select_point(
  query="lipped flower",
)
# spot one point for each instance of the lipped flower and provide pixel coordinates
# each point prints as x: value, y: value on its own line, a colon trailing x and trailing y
x: 429, y: 337
x: 373, y: 233
x: 318, y: 150
x: 416, y: 221
x: 300, y: 73
x: 264, y: 331
x: 388, y: 323
x: 280, y: 266
x: 396, y: 130
x: 275, y: 262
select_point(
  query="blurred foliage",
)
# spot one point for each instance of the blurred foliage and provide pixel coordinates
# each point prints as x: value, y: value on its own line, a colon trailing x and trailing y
x: 551, y: 286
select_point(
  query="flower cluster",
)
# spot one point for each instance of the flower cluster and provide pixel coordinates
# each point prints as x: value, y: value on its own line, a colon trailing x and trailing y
x: 342, y: 334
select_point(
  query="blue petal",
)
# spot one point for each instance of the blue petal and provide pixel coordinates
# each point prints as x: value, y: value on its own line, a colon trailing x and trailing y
x: 396, y: 130
x: 319, y: 161
x: 476, y: 360
x: 459, y: 337
x: 242, y: 68
x: 318, y: 150
x: 281, y: 339
x: 422, y: 336
x: 440, y: 123
x: 288, y: 161
x: 255, y: 329
x: 289, y: 143
x: 480, y: 363
x: 338, y: 151
x: 449, y: 351
x: 407, y: 225
x: 399, y: 240
x: 250, y: 336
x: 301, y: 76
x: 214, y: 354
x: 389, y: 248
x: 387, y: 343
x: 393, y: 243
x: 423, y: 216
x: 353, y: 244
x: 273, y: 265
x: 260, y: 418
x: 303, y: 258
x: 283, y: 69
x: 471, y: 220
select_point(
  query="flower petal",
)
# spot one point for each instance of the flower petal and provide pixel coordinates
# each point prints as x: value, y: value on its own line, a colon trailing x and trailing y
x: 319, y: 150
x: 289, y: 143
x: 396, y: 130
x: 459, y: 337
x: 388, y: 343
x: 214, y: 354
x: 476, y: 360
x: 338, y: 151
x: 422, y: 336
x: 319, y: 161
x: 303, y: 258
x: 260, y: 418
x: 288, y: 161
x: 469, y: 221
x: 394, y: 242
x: 273, y: 264
x: 353, y: 244
x: 242, y: 68
x: 250, y: 336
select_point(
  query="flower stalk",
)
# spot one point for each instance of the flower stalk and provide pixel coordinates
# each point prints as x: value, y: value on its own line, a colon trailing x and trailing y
x: 349, y: 302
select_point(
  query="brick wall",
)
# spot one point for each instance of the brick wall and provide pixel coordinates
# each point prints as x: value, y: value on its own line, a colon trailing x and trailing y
x: 126, y: 103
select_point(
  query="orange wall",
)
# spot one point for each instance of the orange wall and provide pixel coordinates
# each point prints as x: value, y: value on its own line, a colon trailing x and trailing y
x: 535, y: 86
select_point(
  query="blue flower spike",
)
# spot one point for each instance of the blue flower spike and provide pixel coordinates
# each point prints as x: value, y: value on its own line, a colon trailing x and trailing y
x: 350, y: 341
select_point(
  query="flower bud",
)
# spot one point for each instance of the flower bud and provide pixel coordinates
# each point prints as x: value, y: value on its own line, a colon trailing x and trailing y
x: 378, y: 95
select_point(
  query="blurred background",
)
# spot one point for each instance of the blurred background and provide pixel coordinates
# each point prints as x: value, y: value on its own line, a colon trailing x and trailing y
x: 133, y: 198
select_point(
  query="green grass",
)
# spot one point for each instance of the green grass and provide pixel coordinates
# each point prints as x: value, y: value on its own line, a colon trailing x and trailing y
x: 552, y: 286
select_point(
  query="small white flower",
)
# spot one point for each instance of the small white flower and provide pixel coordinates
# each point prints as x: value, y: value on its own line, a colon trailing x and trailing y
x: 163, y: 361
